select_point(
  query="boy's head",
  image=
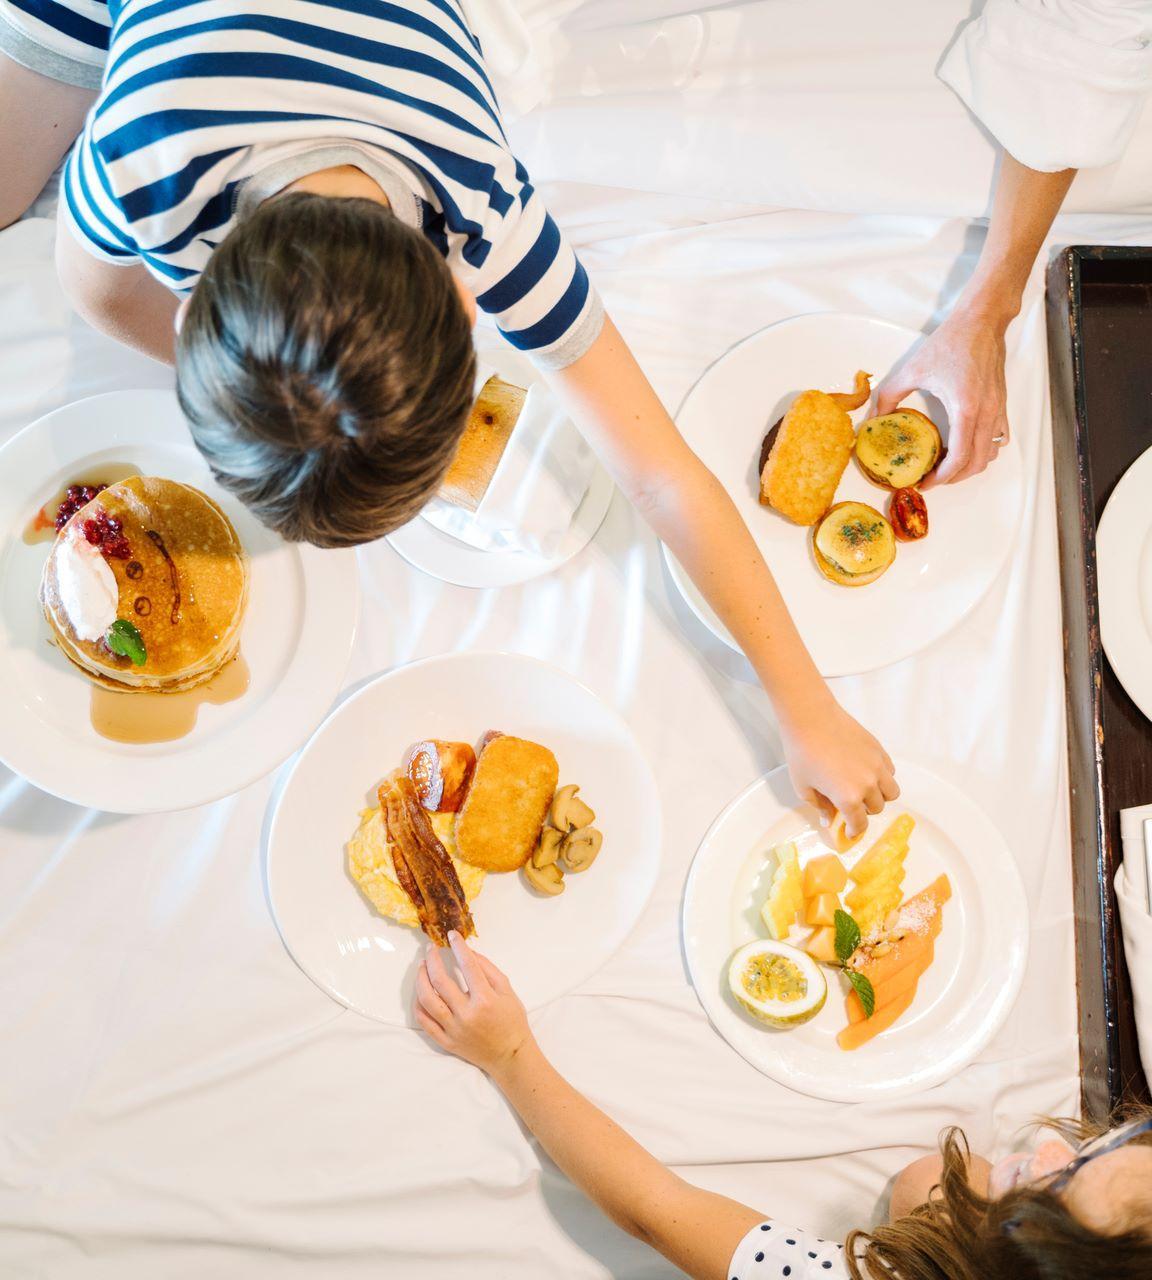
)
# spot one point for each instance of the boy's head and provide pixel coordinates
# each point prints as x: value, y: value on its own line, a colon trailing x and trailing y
x: 326, y: 367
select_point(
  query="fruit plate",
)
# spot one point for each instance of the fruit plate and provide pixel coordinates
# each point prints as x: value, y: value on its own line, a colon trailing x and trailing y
x: 964, y: 996
x: 933, y: 584
x: 296, y: 640
x: 547, y: 946
x: 1124, y: 581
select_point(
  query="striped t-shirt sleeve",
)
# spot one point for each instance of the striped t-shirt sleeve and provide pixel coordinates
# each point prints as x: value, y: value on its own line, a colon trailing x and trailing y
x: 536, y: 289
x: 92, y: 215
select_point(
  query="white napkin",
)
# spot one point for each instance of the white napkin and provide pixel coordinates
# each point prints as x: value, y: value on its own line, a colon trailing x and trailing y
x: 538, y: 486
x: 1136, y: 924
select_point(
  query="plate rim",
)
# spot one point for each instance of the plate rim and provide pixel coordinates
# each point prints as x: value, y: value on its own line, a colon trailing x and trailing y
x: 1118, y: 567
x: 1018, y: 954
x: 273, y: 810
x: 686, y: 588
x: 174, y: 792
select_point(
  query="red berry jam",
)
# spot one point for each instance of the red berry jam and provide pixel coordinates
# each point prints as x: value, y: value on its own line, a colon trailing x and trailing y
x: 107, y: 533
x: 75, y: 497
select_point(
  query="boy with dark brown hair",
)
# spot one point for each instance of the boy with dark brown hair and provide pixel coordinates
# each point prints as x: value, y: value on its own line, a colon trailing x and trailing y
x: 321, y: 193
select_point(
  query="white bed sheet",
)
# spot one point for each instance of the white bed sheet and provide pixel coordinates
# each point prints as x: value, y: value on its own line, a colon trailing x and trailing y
x: 177, y: 1099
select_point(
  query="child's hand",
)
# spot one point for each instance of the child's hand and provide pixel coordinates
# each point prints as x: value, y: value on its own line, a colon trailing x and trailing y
x: 836, y: 764
x: 485, y: 1025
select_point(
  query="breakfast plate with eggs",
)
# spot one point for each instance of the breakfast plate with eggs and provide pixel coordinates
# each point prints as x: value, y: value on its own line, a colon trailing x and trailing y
x: 872, y: 569
x: 865, y: 970
x: 159, y: 647
x: 489, y: 793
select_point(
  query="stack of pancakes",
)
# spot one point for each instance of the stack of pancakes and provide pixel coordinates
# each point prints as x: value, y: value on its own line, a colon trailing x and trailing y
x: 184, y: 588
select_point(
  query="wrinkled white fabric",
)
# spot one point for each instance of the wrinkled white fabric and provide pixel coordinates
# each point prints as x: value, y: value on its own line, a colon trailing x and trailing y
x: 178, y: 1100
x: 1060, y: 83
x: 835, y: 104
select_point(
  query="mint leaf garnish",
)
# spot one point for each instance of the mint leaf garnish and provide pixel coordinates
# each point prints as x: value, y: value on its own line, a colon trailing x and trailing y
x: 863, y: 988
x: 125, y: 641
x: 847, y: 935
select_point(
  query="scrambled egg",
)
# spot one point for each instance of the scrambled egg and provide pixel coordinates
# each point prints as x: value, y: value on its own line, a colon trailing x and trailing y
x: 370, y: 865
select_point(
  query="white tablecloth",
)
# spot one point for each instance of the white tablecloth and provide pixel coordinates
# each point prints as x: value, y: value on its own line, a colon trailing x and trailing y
x: 177, y: 1100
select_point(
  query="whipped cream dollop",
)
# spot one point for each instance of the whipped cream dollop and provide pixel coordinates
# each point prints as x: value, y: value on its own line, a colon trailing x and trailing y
x: 87, y: 586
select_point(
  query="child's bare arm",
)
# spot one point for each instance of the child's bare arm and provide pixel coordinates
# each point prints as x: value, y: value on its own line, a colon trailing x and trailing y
x: 486, y: 1025
x: 127, y: 303
x: 829, y: 754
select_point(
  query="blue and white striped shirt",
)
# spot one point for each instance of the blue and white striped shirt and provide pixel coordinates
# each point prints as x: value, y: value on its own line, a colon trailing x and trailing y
x: 209, y: 106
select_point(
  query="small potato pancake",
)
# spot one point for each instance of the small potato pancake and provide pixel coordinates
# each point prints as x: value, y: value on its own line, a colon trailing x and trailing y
x: 512, y: 789
x: 370, y: 866
x: 810, y: 452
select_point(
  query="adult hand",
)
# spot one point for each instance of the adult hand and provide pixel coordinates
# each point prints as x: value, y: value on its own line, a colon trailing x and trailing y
x: 837, y: 765
x: 962, y: 365
x: 486, y: 1024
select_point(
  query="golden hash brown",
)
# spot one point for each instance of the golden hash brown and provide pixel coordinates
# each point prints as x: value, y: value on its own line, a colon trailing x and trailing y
x: 370, y: 866
x: 507, y: 803
x: 804, y: 466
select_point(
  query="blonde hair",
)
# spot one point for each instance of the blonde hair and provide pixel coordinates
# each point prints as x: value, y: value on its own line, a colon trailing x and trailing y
x: 1027, y: 1234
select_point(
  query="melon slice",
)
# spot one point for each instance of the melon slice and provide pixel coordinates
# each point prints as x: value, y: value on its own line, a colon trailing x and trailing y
x: 888, y: 991
x: 859, y: 1033
x: 825, y: 874
x: 821, y: 910
x: 917, y: 924
x: 821, y: 944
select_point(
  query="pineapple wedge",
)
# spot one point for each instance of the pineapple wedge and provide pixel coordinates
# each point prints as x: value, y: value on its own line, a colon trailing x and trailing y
x: 786, y: 896
x: 890, y: 850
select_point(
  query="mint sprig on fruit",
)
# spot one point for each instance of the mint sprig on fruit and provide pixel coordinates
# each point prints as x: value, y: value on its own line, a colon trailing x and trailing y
x: 125, y: 641
x: 847, y: 940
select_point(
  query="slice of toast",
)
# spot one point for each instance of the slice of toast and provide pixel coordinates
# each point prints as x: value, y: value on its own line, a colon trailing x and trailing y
x: 512, y: 788
x: 486, y: 435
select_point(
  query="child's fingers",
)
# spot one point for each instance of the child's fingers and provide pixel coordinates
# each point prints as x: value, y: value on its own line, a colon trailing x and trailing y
x: 428, y: 999
x: 469, y: 962
x: 431, y: 1028
x: 447, y: 988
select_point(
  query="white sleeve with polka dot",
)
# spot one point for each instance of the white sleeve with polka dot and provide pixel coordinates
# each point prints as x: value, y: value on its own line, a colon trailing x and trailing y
x: 774, y: 1250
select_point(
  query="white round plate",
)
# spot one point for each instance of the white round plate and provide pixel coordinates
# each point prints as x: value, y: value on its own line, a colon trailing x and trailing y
x: 297, y: 634
x: 547, y: 946
x: 962, y: 999
x: 1124, y: 581
x: 442, y: 556
x: 933, y: 584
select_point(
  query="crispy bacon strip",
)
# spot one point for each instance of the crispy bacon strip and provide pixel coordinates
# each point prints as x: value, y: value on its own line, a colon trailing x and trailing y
x: 423, y: 867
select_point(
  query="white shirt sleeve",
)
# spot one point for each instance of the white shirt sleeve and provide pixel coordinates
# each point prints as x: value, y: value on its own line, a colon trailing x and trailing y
x: 775, y: 1251
x: 1059, y: 83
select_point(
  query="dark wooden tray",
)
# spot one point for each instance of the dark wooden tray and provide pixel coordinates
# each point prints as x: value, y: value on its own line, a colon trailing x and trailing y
x: 1100, y: 365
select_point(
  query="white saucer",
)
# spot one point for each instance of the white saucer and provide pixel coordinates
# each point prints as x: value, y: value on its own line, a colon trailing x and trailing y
x: 547, y: 946
x: 442, y: 556
x: 933, y: 584
x: 296, y: 640
x: 964, y: 997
